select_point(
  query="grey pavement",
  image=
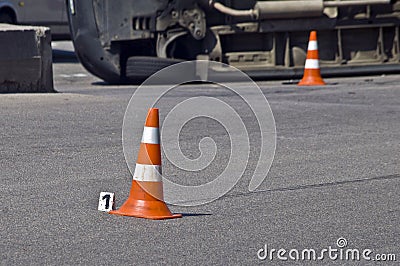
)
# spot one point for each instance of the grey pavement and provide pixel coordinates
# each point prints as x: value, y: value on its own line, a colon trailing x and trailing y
x: 336, y: 174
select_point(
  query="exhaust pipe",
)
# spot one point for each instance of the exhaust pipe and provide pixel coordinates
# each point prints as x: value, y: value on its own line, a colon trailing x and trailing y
x: 356, y: 3
x: 291, y: 8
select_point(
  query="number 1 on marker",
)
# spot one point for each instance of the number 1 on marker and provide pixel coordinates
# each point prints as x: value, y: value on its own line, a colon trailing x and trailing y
x: 106, y: 201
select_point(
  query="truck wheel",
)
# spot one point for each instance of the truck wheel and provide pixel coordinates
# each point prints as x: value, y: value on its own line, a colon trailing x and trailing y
x: 139, y: 68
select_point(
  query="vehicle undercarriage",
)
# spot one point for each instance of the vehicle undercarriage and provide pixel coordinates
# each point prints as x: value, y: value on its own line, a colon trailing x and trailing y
x: 125, y: 41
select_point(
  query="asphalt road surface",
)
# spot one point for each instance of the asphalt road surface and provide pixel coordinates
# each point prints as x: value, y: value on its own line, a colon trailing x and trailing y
x: 336, y: 174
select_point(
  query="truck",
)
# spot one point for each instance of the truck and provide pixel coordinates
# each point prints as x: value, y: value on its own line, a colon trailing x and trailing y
x: 126, y: 41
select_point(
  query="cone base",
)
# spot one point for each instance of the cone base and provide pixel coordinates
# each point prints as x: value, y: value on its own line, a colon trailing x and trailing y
x: 155, y: 210
x: 173, y: 216
x: 312, y: 77
x: 313, y: 82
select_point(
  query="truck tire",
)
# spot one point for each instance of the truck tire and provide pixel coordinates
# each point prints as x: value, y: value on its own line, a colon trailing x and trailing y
x: 139, y: 68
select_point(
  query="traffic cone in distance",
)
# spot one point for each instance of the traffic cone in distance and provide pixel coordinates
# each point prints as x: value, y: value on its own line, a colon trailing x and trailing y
x: 312, y: 73
x: 146, y: 198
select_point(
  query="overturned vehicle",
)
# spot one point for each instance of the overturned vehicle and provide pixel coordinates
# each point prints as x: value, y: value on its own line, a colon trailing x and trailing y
x: 128, y: 40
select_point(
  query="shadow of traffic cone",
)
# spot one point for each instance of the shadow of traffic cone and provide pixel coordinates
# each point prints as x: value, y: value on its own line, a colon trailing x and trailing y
x: 146, y: 195
x: 312, y: 73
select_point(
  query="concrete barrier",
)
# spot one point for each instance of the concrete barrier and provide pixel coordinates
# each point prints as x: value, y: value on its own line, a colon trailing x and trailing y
x: 25, y: 59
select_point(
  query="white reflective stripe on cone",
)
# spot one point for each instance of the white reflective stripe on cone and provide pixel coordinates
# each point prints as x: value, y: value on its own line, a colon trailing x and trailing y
x: 147, y: 172
x: 312, y: 64
x: 151, y: 135
x: 312, y: 45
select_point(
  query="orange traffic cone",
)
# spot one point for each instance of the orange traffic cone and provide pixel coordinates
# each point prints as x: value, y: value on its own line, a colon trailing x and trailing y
x: 312, y: 74
x: 146, y: 195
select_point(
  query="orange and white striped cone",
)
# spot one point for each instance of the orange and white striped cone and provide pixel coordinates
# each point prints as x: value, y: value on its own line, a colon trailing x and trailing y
x: 312, y: 73
x: 146, y: 198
